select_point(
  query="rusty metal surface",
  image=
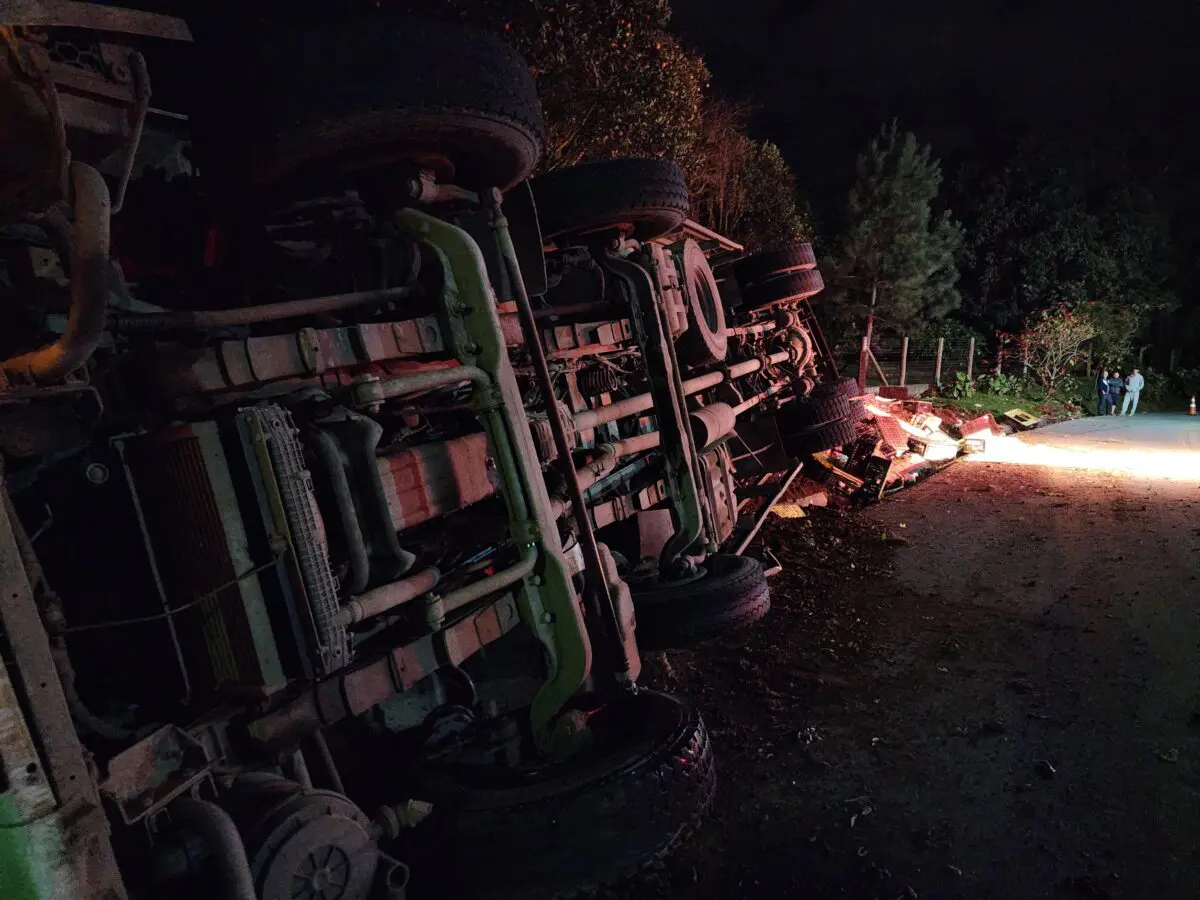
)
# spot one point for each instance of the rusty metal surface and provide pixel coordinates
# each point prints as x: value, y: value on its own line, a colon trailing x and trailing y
x: 62, y: 418
x: 371, y: 683
x: 33, y: 170
x: 584, y: 339
x: 92, y: 16
x: 21, y: 772
x: 87, y: 869
x: 674, y: 304
x: 30, y: 649
x: 177, y: 371
x: 144, y: 778
x: 710, y: 240
x: 431, y: 480
x: 722, y: 493
x: 101, y: 91
x: 624, y: 506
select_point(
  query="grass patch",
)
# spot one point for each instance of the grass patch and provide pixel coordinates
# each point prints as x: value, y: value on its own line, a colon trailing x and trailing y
x: 1074, y: 399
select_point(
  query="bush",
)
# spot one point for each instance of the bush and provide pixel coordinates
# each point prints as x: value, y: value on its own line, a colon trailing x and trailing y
x: 1001, y: 385
x: 1187, y: 381
x: 1053, y: 341
x: 963, y: 386
x: 1158, y: 386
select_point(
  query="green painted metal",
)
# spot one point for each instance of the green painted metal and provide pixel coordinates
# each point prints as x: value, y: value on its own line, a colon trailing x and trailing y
x: 54, y: 841
x: 670, y: 412
x: 546, y: 597
x: 31, y: 857
x: 20, y: 872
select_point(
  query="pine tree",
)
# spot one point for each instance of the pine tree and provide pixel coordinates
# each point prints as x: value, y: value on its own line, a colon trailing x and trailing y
x: 897, y: 257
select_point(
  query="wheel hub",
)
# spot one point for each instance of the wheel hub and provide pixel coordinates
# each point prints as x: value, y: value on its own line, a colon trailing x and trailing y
x: 324, y: 874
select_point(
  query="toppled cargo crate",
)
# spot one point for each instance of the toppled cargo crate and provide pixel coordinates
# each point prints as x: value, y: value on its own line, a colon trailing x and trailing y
x: 1021, y: 420
x: 981, y: 426
x: 917, y: 407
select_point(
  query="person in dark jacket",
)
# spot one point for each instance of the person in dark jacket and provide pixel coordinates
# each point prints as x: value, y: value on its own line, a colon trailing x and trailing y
x: 1102, y: 394
x: 1116, y: 387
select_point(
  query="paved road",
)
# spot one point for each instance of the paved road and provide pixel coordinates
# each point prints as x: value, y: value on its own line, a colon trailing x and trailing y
x: 1159, y: 431
x: 1153, y: 446
x: 987, y: 686
x: 1045, y: 662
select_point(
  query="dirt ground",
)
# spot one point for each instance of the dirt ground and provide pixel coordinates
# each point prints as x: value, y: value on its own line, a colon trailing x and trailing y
x: 986, y: 686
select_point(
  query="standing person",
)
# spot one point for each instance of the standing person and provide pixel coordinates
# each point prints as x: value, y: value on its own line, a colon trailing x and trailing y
x: 1102, y: 394
x: 1116, y: 386
x: 1133, y: 389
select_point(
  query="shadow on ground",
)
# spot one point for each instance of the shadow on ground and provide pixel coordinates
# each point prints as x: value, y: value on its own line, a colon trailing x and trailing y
x: 986, y: 687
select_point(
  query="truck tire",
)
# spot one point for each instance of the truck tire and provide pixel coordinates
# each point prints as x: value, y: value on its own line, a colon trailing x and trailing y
x: 706, y: 339
x: 350, y: 94
x: 821, y: 437
x: 761, y: 266
x: 640, y: 792
x: 846, y: 388
x: 645, y: 197
x: 818, y: 411
x: 799, y: 285
x: 841, y: 387
x: 731, y: 594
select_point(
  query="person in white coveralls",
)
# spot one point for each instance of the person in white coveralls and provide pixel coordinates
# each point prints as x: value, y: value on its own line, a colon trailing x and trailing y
x: 1134, y: 382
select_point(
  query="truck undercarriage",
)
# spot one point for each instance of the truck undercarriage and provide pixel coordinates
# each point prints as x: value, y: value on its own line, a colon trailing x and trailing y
x: 348, y: 469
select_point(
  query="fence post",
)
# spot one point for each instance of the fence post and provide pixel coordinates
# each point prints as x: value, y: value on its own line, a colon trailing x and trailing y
x: 903, y: 360
x: 937, y: 366
x: 970, y: 358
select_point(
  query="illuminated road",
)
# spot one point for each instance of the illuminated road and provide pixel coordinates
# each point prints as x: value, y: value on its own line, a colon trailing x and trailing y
x: 1045, y: 676
x: 1149, y: 432
x: 1150, y: 446
x: 996, y: 696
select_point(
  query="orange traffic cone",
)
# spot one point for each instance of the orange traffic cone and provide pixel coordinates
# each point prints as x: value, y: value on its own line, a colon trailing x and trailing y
x: 1192, y: 407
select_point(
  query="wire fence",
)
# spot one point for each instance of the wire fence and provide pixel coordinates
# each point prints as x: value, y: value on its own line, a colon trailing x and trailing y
x: 920, y: 361
x: 895, y: 359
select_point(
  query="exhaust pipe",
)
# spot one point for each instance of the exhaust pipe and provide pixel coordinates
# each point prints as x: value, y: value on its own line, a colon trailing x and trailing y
x: 89, y: 287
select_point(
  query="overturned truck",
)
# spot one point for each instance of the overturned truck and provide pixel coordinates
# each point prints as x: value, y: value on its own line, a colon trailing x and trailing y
x: 348, y: 470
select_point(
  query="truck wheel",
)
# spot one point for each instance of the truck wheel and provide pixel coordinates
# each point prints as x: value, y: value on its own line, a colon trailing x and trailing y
x: 346, y: 95
x: 762, y: 266
x: 572, y: 828
x: 821, y: 437
x: 799, y: 285
x: 845, y: 388
x: 644, y: 197
x: 729, y: 593
x: 706, y: 339
x: 818, y: 411
x: 842, y: 387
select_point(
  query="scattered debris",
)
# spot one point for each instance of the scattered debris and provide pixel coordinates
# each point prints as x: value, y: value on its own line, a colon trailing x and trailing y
x: 1169, y: 756
x: 1021, y: 420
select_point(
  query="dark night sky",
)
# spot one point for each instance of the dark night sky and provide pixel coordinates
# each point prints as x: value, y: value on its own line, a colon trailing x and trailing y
x: 826, y: 73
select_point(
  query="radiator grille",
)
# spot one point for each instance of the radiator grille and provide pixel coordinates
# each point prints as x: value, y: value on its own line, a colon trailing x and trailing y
x: 307, y: 533
x: 189, y: 540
